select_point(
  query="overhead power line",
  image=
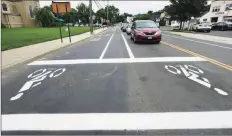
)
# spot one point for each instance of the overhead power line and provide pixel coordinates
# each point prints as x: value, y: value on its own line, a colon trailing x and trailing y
x: 97, y: 4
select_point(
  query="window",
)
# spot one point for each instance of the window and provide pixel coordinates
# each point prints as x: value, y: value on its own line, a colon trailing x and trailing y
x: 4, y: 7
x: 14, y: 9
x: 228, y: 20
x: 228, y: 7
x: 146, y: 24
x: 205, y: 19
x: 216, y: 9
x: 31, y: 12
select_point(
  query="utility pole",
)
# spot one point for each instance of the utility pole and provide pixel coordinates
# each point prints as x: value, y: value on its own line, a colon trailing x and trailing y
x: 91, y: 16
x: 107, y: 12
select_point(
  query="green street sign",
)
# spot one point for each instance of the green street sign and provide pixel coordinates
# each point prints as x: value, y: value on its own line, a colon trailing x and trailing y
x: 59, y: 20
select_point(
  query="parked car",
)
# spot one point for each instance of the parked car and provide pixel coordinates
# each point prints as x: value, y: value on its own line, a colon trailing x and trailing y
x: 175, y: 25
x: 223, y: 26
x: 128, y: 29
x: 145, y: 30
x: 123, y: 28
x: 201, y: 26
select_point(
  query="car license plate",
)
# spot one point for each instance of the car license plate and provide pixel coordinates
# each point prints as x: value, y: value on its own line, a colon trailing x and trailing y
x: 149, y: 37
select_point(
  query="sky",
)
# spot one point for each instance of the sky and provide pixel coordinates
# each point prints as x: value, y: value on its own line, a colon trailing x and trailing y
x: 131, y: 7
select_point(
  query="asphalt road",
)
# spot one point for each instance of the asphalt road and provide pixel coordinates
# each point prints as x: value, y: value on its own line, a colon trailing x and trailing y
x: 109, y: 85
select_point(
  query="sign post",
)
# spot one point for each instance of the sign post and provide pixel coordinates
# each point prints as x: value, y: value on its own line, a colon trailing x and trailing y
x: 68, y: 22
x: 62, y: 8
x: 59, y: 24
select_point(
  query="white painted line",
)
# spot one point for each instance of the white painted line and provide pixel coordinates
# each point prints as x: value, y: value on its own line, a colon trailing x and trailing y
x: 199, y: 42
x: 117, y: 121
x: 107, y: 45
x: 117, y: 60
x: 127, y: 47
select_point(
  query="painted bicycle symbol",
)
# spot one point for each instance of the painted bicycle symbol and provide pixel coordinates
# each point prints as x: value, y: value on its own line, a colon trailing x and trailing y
x: 193, y: 73
x: 36, y: 78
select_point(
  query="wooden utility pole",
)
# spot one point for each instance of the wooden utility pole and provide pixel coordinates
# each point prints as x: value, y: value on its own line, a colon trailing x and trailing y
x: 107, y: 12
x: 90, y: 17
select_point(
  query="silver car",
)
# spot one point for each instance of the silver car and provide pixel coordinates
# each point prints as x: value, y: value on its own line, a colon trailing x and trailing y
x: 128, y: 29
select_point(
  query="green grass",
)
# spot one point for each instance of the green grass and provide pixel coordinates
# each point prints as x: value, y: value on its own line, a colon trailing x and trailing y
x: 19, y: 37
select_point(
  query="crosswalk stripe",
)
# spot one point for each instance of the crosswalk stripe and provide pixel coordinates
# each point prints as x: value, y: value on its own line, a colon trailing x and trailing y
x: 117, y: 60
x: 117, y: 121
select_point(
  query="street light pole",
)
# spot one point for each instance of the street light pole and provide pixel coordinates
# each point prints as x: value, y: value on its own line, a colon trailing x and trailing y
x: 107, y: 12
x: 91, y: 16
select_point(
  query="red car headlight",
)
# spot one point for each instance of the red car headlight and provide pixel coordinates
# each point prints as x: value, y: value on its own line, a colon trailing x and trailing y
x: 158, y: 33
x: 139, y: 33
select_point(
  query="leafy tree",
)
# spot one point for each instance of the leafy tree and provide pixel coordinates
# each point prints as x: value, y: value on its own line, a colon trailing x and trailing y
x: 83, y: 13
x: 113, y: 14
x: 120, y: 18
x: 100, y: 14
x: 142, y: 17
x: 70, y: 17
x: 45, y: 17
x: 149, y: 12
x: 74, y: 18
x: 183, y: 10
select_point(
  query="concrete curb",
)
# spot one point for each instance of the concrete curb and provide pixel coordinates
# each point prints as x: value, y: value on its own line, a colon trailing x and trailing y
x: 6, y: 67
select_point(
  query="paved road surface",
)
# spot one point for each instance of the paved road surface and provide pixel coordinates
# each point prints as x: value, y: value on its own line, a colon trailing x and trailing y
x: 109, y: 85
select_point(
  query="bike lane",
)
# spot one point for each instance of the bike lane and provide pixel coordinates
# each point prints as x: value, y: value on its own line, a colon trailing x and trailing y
x: 154, y: 85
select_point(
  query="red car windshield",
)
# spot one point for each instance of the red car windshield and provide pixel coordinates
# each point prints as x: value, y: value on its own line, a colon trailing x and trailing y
x: 146, y: 25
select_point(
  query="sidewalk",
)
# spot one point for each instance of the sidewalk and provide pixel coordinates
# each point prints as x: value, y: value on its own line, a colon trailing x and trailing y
x: 19, y: 55
x: 217, y: 39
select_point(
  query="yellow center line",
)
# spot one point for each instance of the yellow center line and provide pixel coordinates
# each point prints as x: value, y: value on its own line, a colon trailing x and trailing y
x: 228, y: 67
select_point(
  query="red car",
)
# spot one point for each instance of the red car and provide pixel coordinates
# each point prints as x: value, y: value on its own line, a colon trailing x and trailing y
x: 145, y: 30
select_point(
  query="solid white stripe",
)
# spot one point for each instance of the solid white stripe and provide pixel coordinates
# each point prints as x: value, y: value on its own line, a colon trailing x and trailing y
x: 127, y: 47
x: 118, y: 121
x: 107, y: 45
x: 118, y: 60
x: 199, y: 42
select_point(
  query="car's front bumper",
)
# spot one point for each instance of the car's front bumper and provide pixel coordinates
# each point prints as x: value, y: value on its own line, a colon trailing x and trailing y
x: 204, y: 29
x: 146, y: 38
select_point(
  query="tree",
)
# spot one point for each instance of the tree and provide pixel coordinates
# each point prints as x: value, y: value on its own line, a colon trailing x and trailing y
x: 183, y: 10
x: 120, y: 18
x: 100, y: 14
x: 149, y: 12
x: 113, y: 14
x: 142, y: 17
x: 74, y: 18
x: 83, y: 13
x: 45, y: 17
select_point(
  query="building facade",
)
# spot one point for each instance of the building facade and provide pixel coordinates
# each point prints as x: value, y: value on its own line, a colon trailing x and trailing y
x: 220, y: 10
x: 19, y: 13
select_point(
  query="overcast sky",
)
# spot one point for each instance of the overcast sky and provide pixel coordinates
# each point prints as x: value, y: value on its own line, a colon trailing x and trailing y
x: 132, y: 7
